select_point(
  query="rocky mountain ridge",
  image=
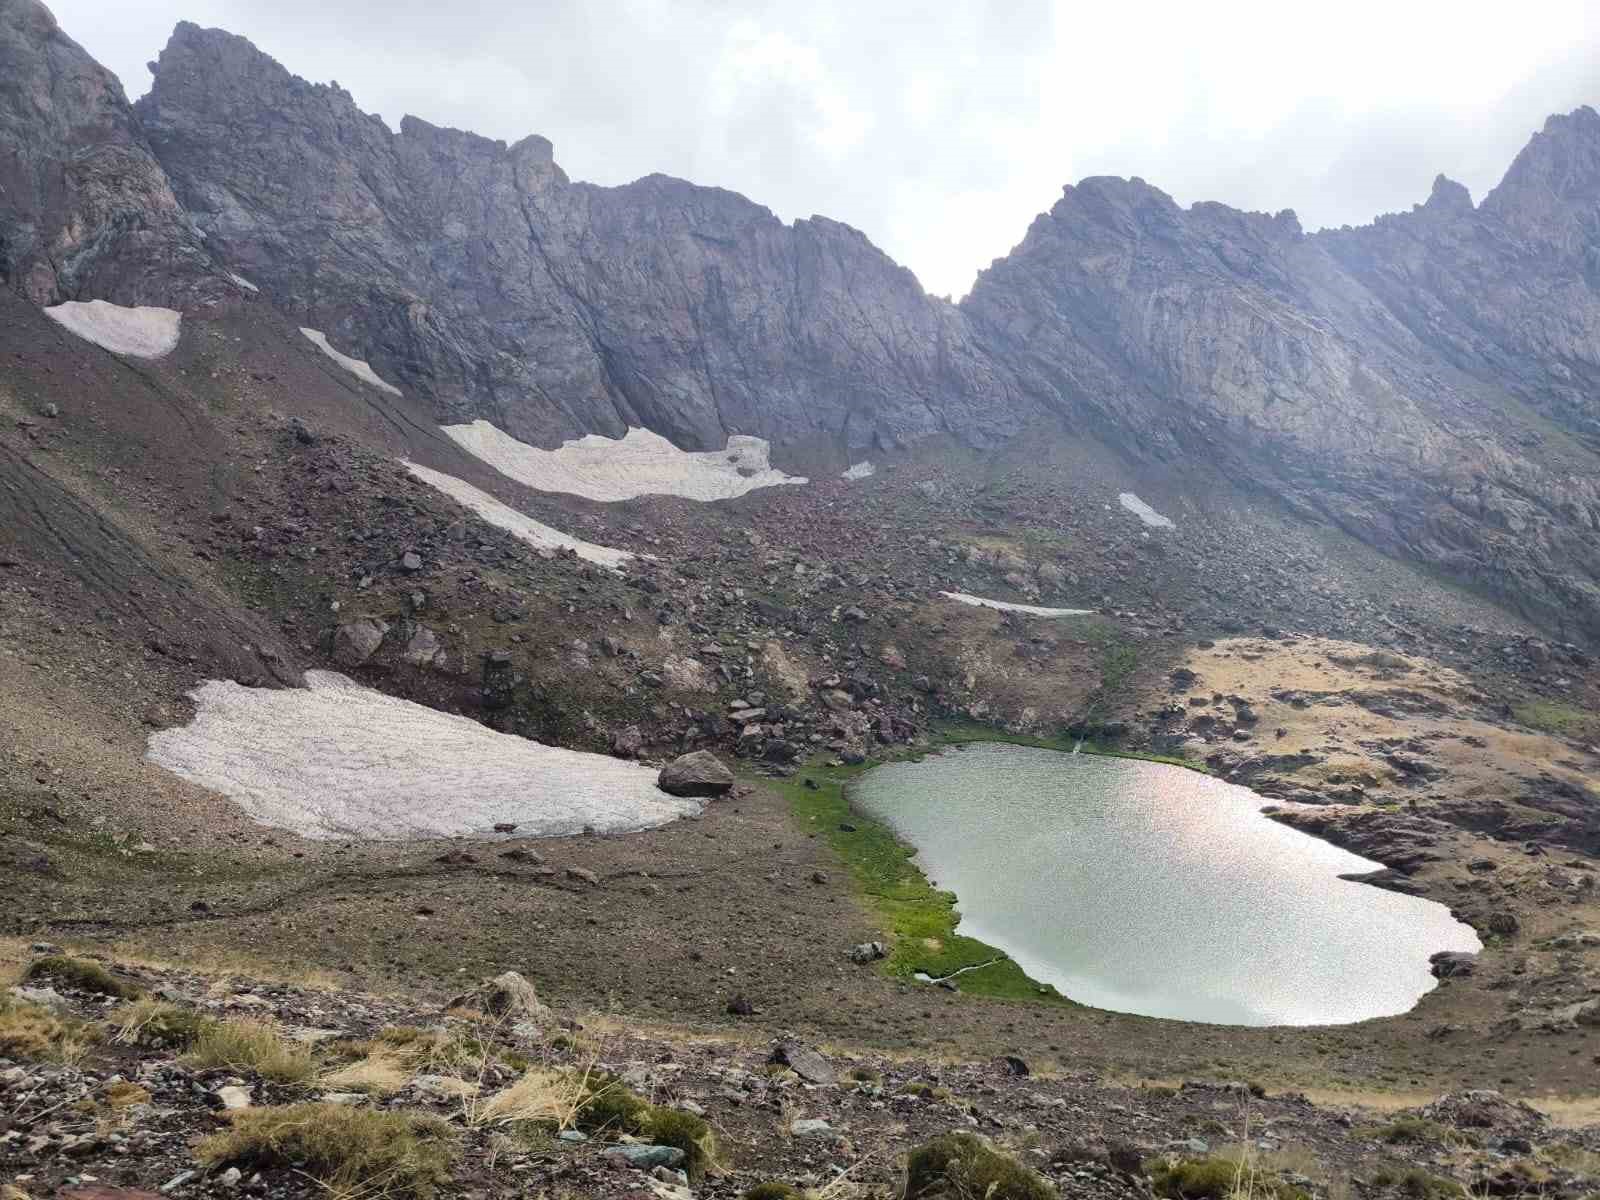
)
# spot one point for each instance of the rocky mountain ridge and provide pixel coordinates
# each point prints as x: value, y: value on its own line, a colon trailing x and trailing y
x: 1425, y: 383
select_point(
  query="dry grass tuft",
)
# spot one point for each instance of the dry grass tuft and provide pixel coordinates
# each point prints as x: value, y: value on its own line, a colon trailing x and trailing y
x: 248, y: 1045
x: 541, y: 1097
x: 381, y: 1072
x: 357, y: 1153
x: 157, y: 1024
x: 31, y: 1031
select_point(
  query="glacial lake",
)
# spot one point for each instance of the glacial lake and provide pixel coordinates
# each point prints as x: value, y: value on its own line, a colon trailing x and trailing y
x: 1147, y: 888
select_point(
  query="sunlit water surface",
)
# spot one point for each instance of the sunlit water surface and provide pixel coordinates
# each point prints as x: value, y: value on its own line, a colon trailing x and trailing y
x: 1145, y: 888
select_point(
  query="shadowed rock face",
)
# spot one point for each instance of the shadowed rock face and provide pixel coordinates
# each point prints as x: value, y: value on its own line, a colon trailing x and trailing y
x: 1427, y: 383
x: 85, y: 210
x: 478, y: 275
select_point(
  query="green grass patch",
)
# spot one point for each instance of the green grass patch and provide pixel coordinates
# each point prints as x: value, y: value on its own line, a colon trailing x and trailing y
x: 78, y: 974
x: 962, y: 1166
x: 1563, y: 720
x: 922, y: 918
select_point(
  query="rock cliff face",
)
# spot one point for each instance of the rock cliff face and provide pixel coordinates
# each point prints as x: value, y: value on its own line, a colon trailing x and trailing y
x: 1425, y: 382
x: 86, y: 211
x: 478, y: 275
x: 1428, y: 383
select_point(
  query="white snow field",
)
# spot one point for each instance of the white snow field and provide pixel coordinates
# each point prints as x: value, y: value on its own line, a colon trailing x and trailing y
x: 355, y: 366
x: 137, y: 332
x: 336, y: 760
x: 1143, y: 511
x: 244, y: 283
x: 503, y: 515
x: 640, y: 463
x: 860, y: 470
x: 1032, y: 610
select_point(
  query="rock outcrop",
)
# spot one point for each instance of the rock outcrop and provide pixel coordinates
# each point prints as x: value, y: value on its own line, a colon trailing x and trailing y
x: 477, y: 275
x: 1424, y: 383
x: 86, y: 212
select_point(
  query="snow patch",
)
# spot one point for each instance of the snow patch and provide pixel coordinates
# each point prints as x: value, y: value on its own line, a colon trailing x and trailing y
x: 355, y: 366
x: 337, y: 760
x: 641, y: 463
x: 505, y: 517
x: 246, y: 284
x: 1032, y: 610
x: 1143, y: 511
x: 860, y: 470
x: 137, y: 332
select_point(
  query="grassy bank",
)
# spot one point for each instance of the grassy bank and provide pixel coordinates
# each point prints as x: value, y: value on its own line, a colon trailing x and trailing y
x: 921, y: 919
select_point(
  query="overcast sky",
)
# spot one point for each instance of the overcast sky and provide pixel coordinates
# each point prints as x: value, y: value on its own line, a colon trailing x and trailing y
x: 941, y: 129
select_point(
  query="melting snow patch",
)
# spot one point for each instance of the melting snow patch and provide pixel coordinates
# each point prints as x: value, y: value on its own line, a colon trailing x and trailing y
x: 641, y: 463
x: 337, y: 760
x: 860, y: 470
x: 1144, y: 512
x: 1032, y: 610
x: 355, y: 366
x: 136, y: 332
x: 533, y: 532
x: 246, y: 284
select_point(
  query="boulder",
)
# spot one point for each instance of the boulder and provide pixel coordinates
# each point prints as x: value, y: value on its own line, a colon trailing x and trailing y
x: 1453, y: 964
x: 700, y: 773
x: 356, y: 641
x: 507, y: 995
x: 803, y: 1061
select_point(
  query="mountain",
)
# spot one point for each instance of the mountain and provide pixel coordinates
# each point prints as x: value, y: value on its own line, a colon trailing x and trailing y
x: 86, y: 211
x: 1426, y: 383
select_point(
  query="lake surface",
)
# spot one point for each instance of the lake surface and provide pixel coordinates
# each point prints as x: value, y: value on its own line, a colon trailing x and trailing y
x: 1146, y: 888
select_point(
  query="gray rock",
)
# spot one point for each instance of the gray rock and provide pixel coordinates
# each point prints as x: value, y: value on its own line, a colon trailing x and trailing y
x: 356, y: 641
x: 700, y: 773
x: 803, y: 1061
x: 1453, y: 964
x: 424, y: 649
x: 866, y: 952
x: 410, y: 561
x: 812, y: 1127
x: 648, y: 1156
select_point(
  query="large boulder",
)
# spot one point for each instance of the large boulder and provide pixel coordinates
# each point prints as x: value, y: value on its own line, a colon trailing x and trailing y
x: 701, y: 773
x: 356, y: 641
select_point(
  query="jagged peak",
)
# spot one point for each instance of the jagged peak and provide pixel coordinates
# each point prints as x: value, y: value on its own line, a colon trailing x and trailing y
x: 1447, y: 197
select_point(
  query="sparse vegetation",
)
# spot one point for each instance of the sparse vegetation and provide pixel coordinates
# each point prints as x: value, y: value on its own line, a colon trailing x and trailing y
x: 157, y: 1024
x: 1219, y: 1177
x: 31, y: 1031
x: 1563, y: 720
x: 773, y: 1191
x: 962, y: 1166
x: 608, y: 1106
x: 1413, y: 1131
x: 353, y: 1151
x: 249, y: 1045
x: 1417, y: 1183
x: 78, y: 974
